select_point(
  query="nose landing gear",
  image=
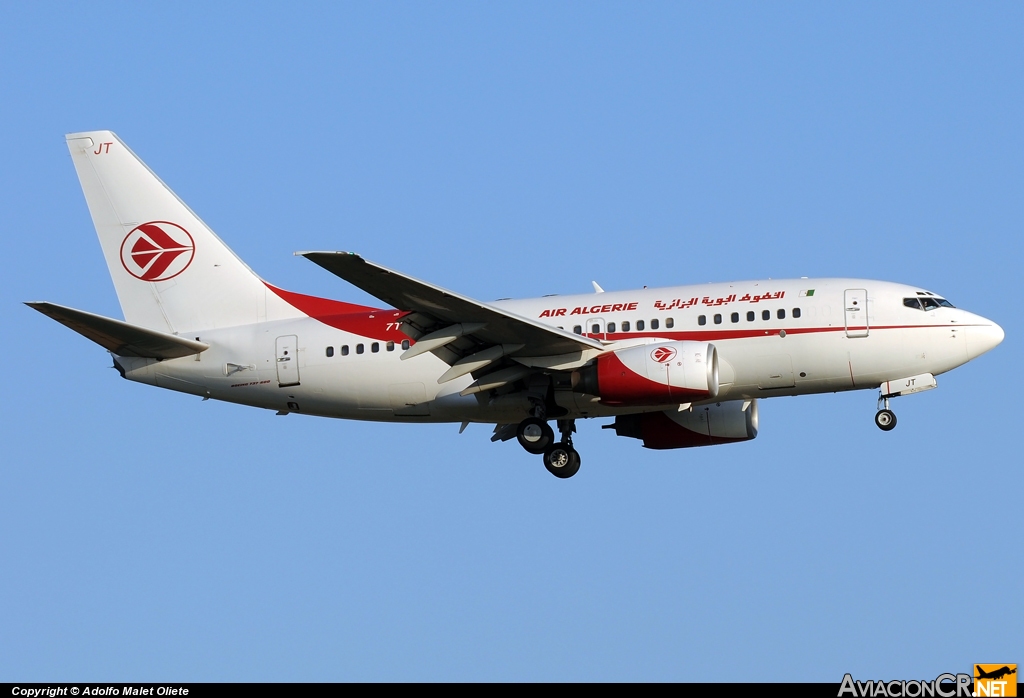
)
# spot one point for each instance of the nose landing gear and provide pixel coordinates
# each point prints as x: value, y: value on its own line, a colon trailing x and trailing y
x: 885, y: 418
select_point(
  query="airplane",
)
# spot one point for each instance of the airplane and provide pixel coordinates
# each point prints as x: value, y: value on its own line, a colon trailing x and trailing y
x: 674, y: 367
x: 996, y: 674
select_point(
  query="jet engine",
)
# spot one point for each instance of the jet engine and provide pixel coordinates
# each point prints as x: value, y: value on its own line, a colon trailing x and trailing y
x: 653, y: 374
x: 706, y: 425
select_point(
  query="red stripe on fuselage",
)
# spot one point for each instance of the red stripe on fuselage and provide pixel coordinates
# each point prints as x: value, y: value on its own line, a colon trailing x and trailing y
x: 712, y: 334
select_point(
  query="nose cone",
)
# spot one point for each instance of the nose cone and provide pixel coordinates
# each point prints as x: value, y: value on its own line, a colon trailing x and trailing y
x: 983, y: 337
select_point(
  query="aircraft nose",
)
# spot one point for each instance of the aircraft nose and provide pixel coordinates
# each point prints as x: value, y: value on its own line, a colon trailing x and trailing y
x: 983, y: 337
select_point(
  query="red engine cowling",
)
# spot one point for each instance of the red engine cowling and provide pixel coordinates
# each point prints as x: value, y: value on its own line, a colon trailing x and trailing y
x: 653, y: 374
x: 707, y: 425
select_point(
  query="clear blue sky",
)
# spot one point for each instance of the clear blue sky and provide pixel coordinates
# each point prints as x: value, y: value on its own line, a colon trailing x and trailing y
x: 501, y: 150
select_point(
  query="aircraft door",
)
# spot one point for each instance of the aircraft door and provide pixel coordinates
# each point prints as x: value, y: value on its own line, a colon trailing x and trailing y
x: 287, y: 360
x: 594, y: 328
x: 856, y: 311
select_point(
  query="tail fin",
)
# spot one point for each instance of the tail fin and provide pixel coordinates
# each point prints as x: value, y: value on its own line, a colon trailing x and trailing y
x: 171, y: 272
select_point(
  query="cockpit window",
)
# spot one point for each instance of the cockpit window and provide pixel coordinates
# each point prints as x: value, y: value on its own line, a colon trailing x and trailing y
x: 927, y: 303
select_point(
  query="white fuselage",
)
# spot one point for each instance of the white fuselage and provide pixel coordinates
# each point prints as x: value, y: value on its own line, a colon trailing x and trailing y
x: 774, y: 338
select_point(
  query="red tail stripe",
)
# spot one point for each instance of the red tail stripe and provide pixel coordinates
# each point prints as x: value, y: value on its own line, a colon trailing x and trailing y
x: 362, y: 320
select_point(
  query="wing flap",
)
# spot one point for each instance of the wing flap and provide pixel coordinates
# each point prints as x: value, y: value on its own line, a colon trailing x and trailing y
x: 120, y: 337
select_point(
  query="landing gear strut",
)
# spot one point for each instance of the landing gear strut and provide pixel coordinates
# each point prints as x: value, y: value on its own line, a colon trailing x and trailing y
x: 885, y: 418
x: 561, y: 459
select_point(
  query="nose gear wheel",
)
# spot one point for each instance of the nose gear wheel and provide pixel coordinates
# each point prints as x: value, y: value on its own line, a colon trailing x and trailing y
x: 885, y: 419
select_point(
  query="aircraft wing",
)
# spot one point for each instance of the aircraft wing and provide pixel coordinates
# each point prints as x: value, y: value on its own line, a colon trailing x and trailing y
x: 120, y: 337
x: 435, y: 311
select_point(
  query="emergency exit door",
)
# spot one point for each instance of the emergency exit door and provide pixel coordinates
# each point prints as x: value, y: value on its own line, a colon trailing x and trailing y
x: 287, y: 360
x: 856, y: 311
x: 594, y: 328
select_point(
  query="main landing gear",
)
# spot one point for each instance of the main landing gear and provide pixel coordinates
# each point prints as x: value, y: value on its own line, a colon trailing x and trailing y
x: 885, y: 418
x: 535, y: 435
x: 560, y: 458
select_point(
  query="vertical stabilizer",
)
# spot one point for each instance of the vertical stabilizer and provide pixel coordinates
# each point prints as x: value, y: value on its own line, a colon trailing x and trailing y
x: 171, y: 272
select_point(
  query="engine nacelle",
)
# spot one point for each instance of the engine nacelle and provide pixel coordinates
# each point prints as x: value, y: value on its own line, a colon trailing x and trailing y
x: 707, y: 425
x: 653, y: 374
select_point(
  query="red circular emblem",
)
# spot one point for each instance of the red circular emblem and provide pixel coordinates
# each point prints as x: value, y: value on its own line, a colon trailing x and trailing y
x: 157, y: 251
x: 663, y: 354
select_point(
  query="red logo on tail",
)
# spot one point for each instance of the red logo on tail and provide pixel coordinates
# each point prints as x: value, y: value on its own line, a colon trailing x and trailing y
x: 157, y: 251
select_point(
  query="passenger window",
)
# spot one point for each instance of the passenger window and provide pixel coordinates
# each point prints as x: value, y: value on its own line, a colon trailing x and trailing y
x: 390, y: 346
x: 375, y: 347
x: 330, y: 351
x: 735, y: 317
x: 639, y: 325
x: 782, y: 313
x: 595, y: 329
x: 654, y: 324
x: 344, y: 350
x: 625, y: 325
x: 796, y: 312
x: 611, y: 327
x: 766, y: 315
x: 359, y: 348
x: 912, y: 303
x: 718, y: 318
x: 577, y: 329
x: 750, y: 316
x: 405, y: 343
x: 669, y: 323
x: 702, y: 319
x: 929, y: 303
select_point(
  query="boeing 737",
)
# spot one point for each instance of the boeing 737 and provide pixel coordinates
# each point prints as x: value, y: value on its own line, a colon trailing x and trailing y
x: 674, y: 367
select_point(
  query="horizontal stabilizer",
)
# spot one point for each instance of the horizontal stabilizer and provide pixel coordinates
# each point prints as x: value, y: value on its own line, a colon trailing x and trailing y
x: 120, y: 337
